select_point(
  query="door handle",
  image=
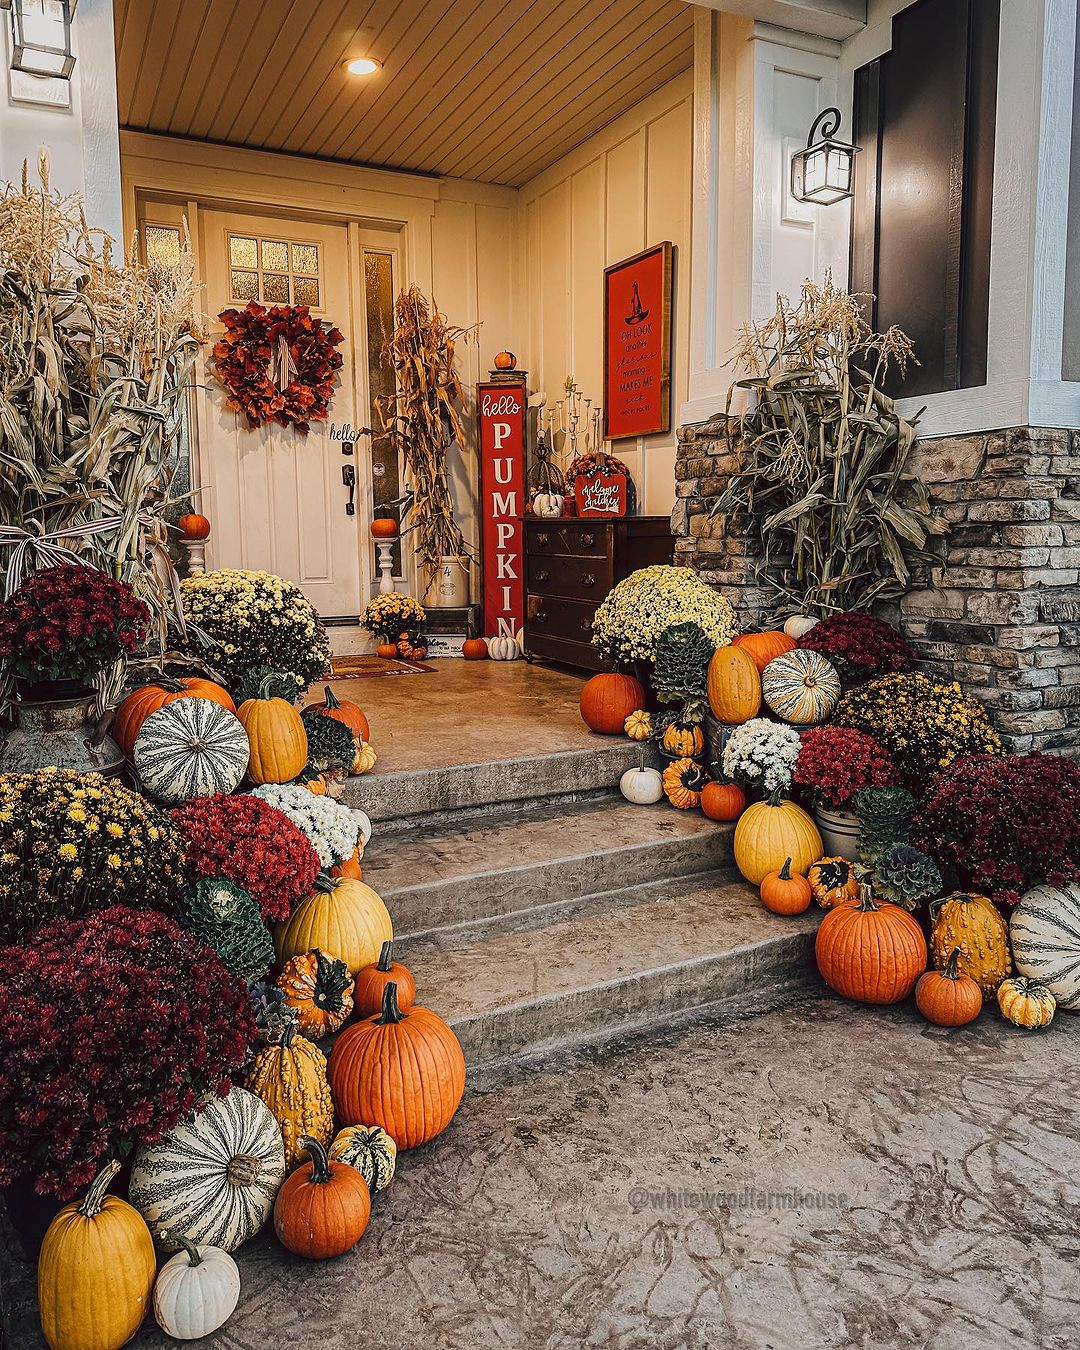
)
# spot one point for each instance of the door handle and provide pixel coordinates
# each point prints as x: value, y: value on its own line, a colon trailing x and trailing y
x: 348, y: 477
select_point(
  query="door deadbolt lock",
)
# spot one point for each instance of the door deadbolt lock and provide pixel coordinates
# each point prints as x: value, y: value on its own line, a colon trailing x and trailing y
x: 348, y: 477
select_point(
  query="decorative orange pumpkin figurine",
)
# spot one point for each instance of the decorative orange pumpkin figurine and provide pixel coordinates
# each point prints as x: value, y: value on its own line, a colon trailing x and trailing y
x: 403, y: 1071
x: 505, y: 360
x: 869, y: 951
x: 784, y: 893
x: 387, y: 650
x: 474, y: 649
x: 194, y: 526
x: 723, y: 801
x: 608, y: 700
x: 947, y: 997
x: 342, y: 710
x: 323, y: 1207
x: 371, y: 983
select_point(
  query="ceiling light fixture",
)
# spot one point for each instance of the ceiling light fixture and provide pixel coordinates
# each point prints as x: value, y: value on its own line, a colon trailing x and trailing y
x: 363, y: 65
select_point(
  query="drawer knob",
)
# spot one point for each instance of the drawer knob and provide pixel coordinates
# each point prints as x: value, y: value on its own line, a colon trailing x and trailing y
x: 588, y: 579
x: 540, y: 616
x: 588, y: 538
x: 543, y: 575
x: 542, y: 537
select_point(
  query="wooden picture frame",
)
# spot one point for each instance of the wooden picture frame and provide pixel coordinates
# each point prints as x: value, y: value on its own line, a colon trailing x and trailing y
x: 637, y: 343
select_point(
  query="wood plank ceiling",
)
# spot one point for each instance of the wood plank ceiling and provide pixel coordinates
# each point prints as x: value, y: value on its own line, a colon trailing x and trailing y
x: 493, y: 90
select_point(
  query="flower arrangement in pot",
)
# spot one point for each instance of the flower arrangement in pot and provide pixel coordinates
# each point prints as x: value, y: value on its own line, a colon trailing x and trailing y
x: 835, y: 763
x: 393, y: 619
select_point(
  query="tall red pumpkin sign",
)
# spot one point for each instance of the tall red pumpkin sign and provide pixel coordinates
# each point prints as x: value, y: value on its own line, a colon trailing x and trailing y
x: 501, y: 415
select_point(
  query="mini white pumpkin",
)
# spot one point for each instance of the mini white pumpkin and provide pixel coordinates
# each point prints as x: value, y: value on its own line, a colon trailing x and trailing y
x: 191, y: 747
x: 1044, y: 931
x: 364, y: 821
x: 799, y: 625
x: 196, y: 1291
x: 503, y: 649
x: 548, y: 504
x: 642, y: 786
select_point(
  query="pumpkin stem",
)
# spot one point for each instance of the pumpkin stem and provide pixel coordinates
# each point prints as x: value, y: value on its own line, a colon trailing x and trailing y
x: 95, y: 1196
x: 386, y: 955
x: 267, y: 682
x: 391, y: 1013
x: 326, y: 884
x: 785, y: 871
x: 867, y: 904
x: 774, y: 797
x: 952, y: 969
x: 330, y: 699
x: 320, y: 1163
x: 243, y: 1169
x: 175, y: 1235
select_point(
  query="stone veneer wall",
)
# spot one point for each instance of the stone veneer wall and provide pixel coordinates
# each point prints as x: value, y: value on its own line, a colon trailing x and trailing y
x: 1003, y: 615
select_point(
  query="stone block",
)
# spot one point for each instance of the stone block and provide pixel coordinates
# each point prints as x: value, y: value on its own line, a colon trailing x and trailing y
x: 1032, y: 536
x: 951, y: 459
x: 1064, y: 696
x: 1004, y: 608
x: 1070, y: 634
x: 983, y: 535
x: 1004, y: 557
x: 965, y: 578
x: 1009, y: 510
x: 1065, y: 660
x: 944, y: 604
x: 1011, y: 700
x: 963, y: 633
x: 1060, y: 609
x: 1024, y: 723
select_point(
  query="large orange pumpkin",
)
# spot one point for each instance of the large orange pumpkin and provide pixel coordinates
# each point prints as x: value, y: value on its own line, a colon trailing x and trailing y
x: 764, y: 646
x: 342, y: 710
x: 870, y: 951
x: 734, y: 685
x: 403, y: 1071
x: 608, y: 700
x: 278, y: 740
x: 139, y: 705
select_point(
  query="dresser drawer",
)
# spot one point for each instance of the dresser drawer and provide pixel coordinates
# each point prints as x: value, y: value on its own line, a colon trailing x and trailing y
x: 586, y: 541
x: 575, y: 578
x: 555, y: 617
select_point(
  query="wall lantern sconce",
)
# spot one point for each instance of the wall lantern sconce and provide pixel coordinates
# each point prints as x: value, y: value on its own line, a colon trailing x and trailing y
x: 824, y: 173
x: 41, y: 37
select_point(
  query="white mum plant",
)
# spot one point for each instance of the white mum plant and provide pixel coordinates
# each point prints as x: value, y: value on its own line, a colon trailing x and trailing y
x: 332, y: 828
x: 762, y: 752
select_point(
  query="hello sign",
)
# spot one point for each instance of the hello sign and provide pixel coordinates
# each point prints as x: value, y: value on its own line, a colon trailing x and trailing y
x: 500, y: 410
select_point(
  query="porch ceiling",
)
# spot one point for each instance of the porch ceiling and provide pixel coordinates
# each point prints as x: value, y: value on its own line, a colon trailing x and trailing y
x: 479, y: 89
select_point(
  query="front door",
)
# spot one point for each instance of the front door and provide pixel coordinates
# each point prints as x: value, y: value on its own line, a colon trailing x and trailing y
x: 277, y: 499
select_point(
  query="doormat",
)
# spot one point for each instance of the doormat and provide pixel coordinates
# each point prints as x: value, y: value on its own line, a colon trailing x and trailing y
x: 359, y: 667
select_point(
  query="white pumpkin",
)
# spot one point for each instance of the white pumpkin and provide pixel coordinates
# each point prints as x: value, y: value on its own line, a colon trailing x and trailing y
x: 196, y: 1291
x: 191, y: 747
x: 364, y: 821
x: 642, y: 786
x: 1044, y: 931
x: 799, y: 625
x: 503, y: 649
x: 215, y: 1176
x: 548, y: 504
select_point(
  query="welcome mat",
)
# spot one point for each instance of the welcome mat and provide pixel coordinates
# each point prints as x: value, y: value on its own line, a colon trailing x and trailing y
x: 360, y: 667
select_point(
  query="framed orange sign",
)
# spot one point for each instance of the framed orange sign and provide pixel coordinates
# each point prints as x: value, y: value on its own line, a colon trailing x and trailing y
x: 637, y: 344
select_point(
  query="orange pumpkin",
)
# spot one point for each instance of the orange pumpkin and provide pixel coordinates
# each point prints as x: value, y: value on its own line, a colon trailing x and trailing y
x: 784, y: 892
x: 276, y: 734
x: 385, y: 527
x: 869, y: 951
x: 505, y: 360
x: 608, y: 700
x: 734, y: 685
x: 947, y: 997
x: 403, y: 1071
x: 322, y: 1209
x: 387, y: 650
x: 371, y: 983
x: 194, y: 526
x: 342, y: 710
x: 349, y: 867
x: 723, y: 801
x: 139, y: 705
x: 474, y: 649
x: 764, y: 646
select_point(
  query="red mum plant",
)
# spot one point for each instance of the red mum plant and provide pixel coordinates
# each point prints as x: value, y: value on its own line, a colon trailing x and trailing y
x: 68, y: 622
x: 836, y: 762
x: 859, y: 645
x: 253, y: 845
x: 999, y: 824
x: 112, y: 1027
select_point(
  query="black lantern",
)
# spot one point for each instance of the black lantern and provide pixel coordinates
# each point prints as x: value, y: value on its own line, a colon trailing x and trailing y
x: 824, y: 172
x: 41, y: 37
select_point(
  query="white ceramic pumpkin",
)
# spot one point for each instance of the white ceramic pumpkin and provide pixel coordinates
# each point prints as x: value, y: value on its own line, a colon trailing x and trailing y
x: 799, y: 625
x: 503, y: 649
x: 191, y: 747
x: 642, y: 786
x: 196, y: 1291
x: 801, y: 687
x: 215, y: 1176
x: 1044, y: 931
x: 548, y: 504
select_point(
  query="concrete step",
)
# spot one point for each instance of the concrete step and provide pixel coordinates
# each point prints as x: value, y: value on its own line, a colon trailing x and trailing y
x: 503, y: 864
x: 421, y: 797
x: 610, y: 964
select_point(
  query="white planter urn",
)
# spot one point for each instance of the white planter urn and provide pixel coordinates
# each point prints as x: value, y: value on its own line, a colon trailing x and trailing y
x: 839, y: 833
x: 449, y: 587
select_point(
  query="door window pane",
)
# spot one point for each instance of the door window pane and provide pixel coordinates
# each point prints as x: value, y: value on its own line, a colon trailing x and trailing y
x: 275, y: 288
x: 243, y: 252
x: 275, y: 255
x: 274, y: 271
x: 245, y: 285
x: 306, y: 291
x: 385, y: 470
x: 162, y: 245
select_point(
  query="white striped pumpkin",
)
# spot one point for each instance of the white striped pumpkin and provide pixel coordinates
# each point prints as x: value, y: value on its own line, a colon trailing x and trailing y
x: 801, y: 687
x: 191, y: 747
x: 1044, y: 930
x: 215, y: 1176
x: 369, y: 1150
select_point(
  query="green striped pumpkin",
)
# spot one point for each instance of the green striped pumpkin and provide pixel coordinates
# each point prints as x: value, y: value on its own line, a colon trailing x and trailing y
x: 191, y: 747
x: 368, y: 1149
x: 801, y: 687
x: 213, y: 1178
x: 1044, y: 930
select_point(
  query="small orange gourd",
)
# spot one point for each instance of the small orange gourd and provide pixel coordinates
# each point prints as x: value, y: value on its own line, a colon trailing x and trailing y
x: 948, y: 998
x: 783, y: 892
x: 723, y: 801
x: 371, y: 983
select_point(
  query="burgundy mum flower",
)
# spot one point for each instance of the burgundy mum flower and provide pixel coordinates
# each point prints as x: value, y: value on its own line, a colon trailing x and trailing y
x: 835, y: 762
x: 859, y: 645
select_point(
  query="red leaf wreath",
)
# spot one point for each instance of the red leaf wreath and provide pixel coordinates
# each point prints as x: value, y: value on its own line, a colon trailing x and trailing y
x: 244, y: 356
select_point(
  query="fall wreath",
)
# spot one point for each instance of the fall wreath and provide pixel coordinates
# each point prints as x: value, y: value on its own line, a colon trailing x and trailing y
x: 278, y: 364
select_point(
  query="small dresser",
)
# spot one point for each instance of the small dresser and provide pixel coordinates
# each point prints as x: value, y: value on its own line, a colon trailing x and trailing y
x: 570, y: 565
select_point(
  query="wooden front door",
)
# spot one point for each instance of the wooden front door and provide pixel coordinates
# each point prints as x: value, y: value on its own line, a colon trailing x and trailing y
x: 277, y: 499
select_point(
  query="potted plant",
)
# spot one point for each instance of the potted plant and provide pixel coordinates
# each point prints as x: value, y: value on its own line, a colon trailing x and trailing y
x: 389, y: 616
x: 835, y: 763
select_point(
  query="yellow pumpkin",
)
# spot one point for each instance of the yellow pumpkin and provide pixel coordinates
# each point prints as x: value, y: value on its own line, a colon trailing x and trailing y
x: 1026, y: 1003
x: 771, y: 831
x: 972, y: 924
x: 96, y: 1271
x: 291, y: 1079
x: 638, y: 726
x: 364, y: 759
x: 734, y: 687
x: 343, y: 918
x: 683, y: 740
x: 276, y: 734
